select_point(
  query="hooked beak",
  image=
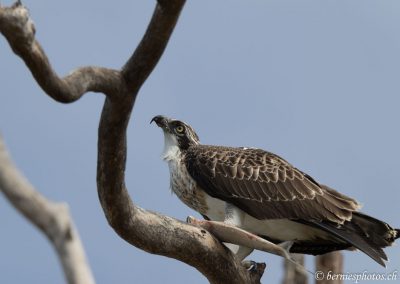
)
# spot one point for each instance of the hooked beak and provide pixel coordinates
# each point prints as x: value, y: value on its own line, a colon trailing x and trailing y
x: 161, y: 121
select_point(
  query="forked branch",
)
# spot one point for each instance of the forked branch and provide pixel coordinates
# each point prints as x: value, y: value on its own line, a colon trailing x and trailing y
x: 146, y: 230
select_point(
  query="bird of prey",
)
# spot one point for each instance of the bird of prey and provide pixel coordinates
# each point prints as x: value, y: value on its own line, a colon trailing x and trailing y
x: 262, y: 193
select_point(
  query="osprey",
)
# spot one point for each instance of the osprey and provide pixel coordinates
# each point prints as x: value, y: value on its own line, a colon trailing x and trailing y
x: 262, y: 193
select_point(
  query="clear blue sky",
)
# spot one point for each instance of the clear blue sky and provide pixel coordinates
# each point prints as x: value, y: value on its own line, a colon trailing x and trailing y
x: 316, y: 82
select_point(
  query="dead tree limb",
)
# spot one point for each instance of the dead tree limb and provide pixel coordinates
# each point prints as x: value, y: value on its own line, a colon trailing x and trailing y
x: 329, y: 267
x: 146, y: 230
x: 292, y: 273
x: 53, y: 219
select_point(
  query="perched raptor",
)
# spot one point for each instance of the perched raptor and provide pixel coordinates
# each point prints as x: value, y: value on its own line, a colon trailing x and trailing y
x: 262, y: 193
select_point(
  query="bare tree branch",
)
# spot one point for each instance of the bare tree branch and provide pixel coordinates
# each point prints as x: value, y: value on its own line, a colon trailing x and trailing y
x: 146, y: 230
x: 329, y: 263
x: 53, y: 219
x: 292, y: 273
x: 149, y: 51
x: 19, y: 30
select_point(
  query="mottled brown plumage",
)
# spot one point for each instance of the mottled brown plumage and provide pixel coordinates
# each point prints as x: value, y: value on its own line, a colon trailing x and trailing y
x: 261, y: 192
x: 264, y: 185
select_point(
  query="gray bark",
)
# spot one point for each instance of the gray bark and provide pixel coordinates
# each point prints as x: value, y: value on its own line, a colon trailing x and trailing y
x: 144, y: 229
x: 52, y: 218
x: 292, y: 273
x: 329, y: 264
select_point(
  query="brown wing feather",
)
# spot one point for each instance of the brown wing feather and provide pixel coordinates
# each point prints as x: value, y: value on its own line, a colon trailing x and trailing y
x: 265, y: 185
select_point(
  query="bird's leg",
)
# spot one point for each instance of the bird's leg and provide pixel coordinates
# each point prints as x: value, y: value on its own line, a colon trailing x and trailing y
x: 234, y: 216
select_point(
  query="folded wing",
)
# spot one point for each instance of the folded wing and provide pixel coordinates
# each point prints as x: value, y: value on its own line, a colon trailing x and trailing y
x: 264, y: 185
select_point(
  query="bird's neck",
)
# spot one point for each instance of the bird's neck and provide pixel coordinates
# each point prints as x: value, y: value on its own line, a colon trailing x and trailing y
x: 171, y: 149
x: 171, y: 153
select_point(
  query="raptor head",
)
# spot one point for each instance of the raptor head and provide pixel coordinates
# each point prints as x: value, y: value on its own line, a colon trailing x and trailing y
x: 176, y: 132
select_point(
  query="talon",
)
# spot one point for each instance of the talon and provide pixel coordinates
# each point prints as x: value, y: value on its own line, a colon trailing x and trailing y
x: 250, y: 265
x: 190, y: 219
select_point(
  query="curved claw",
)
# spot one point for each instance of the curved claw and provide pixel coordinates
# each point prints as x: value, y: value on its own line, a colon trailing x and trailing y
x: 250, y: 265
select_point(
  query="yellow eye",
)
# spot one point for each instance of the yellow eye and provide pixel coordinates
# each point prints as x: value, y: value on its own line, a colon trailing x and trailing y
x: 179, y: 129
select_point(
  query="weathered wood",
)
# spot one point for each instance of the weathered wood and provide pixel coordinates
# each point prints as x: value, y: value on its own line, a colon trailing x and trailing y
x: 52, y: 218
x: 292, y: 273
x: 328, y: 268
x: 146, y: 230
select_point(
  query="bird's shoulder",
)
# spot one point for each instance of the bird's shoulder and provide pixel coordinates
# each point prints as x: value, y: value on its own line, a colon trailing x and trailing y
x: 243, y: 156
x: 240, y: 162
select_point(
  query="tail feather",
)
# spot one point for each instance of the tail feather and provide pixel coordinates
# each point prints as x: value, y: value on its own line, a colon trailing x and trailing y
x: 376, y: 231
x: 361, y: 231
x: 346, y: 233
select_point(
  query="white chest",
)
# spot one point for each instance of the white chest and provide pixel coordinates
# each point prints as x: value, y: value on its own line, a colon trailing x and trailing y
x: 183, y: 185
